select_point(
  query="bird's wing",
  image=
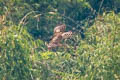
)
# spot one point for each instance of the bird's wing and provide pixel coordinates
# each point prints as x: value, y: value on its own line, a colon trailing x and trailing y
x: 66, y: 35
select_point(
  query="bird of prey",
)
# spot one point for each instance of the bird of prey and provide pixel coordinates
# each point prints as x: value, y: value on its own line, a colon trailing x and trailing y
x: 58, y: 36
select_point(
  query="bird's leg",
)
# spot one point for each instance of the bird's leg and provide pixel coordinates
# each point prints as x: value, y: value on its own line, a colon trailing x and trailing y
x: 49, y: 49
x: 60, y: 45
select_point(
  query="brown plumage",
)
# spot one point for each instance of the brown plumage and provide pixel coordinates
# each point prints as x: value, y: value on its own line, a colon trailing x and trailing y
x: 58, y: 36
x: 60, y: 28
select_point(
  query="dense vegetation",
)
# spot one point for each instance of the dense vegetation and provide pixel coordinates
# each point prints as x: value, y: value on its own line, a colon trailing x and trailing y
x: 93, y: 53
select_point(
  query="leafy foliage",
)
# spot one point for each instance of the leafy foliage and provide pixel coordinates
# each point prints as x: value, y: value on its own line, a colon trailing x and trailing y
x: 15, y: 53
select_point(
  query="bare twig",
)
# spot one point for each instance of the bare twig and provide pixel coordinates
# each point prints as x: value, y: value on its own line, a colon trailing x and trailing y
x: 22, y: 21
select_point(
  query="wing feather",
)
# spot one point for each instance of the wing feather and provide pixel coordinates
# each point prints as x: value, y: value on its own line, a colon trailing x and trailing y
x: 66, y: 35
